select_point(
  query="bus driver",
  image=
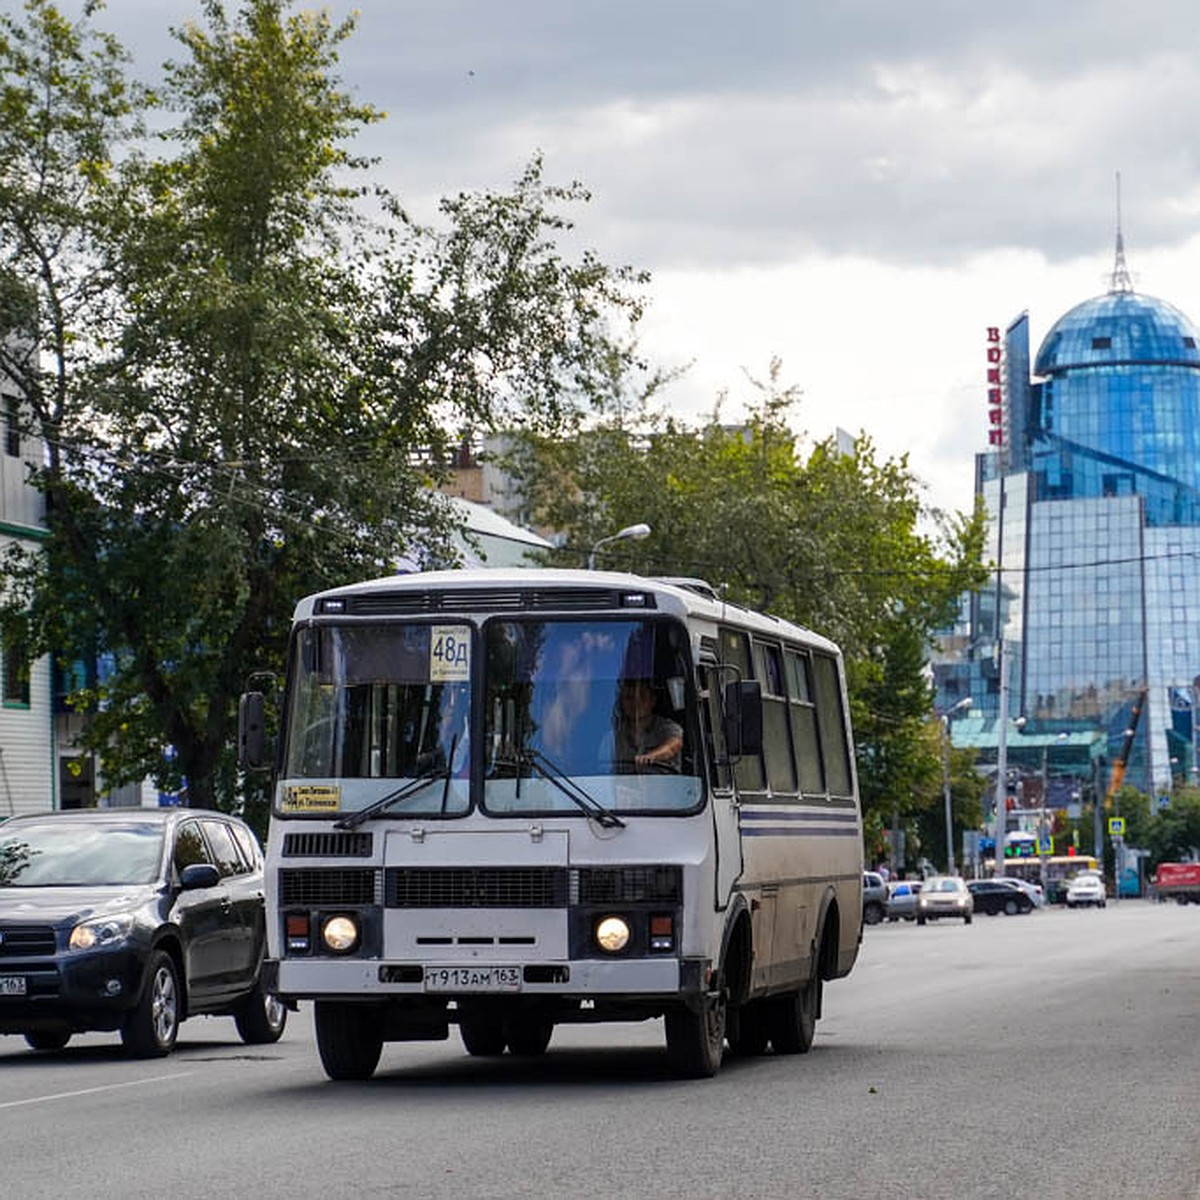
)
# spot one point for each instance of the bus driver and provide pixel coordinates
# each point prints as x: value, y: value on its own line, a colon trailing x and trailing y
x: 645, y: 740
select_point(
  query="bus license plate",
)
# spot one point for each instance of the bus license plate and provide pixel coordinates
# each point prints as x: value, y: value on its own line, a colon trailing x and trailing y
x: 472, y: 979
x: 12, y: 985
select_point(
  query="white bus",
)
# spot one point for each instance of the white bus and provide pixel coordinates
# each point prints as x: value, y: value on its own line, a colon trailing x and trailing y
x: 460, y: 836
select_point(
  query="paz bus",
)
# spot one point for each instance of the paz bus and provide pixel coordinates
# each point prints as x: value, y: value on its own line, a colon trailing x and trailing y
x: 455, y: 838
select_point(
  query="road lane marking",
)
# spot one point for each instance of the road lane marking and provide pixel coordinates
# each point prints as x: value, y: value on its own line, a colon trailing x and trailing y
x: 108, y: 1087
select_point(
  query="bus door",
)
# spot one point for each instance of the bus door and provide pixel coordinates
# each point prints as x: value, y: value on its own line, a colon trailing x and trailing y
x: 722, y: 794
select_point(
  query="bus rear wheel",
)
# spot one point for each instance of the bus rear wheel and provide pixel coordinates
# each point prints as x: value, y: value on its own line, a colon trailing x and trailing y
x: 793, y: 1018
x: 747, y: 1029
x: 528, y: 1035
x: 348, y: 1039
x: 696, y: 1037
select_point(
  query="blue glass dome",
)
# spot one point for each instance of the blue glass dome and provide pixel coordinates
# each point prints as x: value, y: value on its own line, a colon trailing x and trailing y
x: 1118, y: 408
x: 1119, y: 328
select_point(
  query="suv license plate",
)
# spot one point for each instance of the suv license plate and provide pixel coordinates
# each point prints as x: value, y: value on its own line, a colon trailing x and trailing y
x: 472, y: 979
x: 12, y: 985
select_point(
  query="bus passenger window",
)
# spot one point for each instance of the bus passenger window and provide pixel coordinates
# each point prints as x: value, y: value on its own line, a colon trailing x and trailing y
x: 735, y: 651
x: 804, y: 725
x: 777, y: 740
x: 832, y: 724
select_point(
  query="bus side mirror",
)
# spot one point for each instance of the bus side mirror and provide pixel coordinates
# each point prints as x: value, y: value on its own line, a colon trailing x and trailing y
x: 743, y: 718
x: 252, y: 736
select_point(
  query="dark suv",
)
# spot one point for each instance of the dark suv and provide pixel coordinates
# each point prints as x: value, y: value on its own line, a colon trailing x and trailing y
x: 131, y: 919
x: 875, y: 898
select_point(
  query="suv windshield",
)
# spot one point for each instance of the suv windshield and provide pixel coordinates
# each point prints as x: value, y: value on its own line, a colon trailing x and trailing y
x: 68, y: 854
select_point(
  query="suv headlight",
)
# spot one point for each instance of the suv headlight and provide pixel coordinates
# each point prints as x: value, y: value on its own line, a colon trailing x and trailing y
x: 104, y: 931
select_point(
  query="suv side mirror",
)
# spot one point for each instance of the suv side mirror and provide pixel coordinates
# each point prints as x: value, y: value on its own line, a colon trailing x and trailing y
x: 199, y: 875
x: 743, y: 717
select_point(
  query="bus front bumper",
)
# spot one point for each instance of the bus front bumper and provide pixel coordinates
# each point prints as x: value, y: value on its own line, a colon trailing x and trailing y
x: 317, y: 979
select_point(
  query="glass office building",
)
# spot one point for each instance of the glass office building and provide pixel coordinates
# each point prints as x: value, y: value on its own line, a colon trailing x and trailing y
x: 1098, y: 479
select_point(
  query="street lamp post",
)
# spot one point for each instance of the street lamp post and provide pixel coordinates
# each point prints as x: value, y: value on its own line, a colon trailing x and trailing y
x: 633, y: 533
x: 965, y: 702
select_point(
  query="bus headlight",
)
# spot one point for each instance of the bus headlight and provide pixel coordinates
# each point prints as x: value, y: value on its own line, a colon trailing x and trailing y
x: 612, y: 934
x: 340, y: 934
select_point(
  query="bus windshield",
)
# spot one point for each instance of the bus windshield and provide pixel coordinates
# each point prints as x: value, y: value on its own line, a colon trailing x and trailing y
x: 382, y: 702
x: 599, y: 707
x: 605, y: 703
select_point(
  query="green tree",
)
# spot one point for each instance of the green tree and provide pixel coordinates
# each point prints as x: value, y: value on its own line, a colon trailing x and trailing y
x: 1173, y: 833
x: 268, y: 379
x: 836, y: 541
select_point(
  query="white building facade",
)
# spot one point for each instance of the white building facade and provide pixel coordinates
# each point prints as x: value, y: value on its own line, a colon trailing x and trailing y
x: 28, y: 752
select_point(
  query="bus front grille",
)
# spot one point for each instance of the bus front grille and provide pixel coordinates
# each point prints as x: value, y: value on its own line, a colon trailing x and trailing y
x: 327, y: 845
x: 476, y: 887
x: 322, y: 887
x: 630, y: 885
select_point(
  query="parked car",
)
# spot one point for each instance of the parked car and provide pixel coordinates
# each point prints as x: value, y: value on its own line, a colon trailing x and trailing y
x: 1086, y: 889
x: 131, y: 920
x: 944, y: 896
x: 994, y: 896
x: 1034, y: 891
x: 902, y: 899
x: 875, y: 898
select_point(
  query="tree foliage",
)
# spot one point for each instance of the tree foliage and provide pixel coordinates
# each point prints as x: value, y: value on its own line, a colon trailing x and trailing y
x: 833, y: 540
x: 246, y: 381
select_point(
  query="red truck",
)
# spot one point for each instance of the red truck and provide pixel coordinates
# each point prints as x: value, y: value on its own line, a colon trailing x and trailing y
x: 1180, y: 881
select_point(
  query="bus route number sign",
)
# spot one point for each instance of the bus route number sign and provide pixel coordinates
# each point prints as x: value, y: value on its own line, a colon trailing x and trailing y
x: 450, y: 654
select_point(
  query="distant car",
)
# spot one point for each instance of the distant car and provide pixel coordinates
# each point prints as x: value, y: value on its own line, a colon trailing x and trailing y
x: 875, y: 898
x: 994, y: 896
x: 131, y: 920
x: 944, y: 896
x: 1034, y: 891
x: 1086, y: 889
x: 902, y: 899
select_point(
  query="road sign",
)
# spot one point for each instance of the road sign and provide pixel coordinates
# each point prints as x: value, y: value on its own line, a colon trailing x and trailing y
x: 1116, y: 826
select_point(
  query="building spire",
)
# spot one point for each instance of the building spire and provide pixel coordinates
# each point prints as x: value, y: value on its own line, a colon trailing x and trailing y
x: 1121, y: 281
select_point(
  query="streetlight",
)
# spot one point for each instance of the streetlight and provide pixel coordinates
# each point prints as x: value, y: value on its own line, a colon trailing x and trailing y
x: 1043, y: 822
x: 965, y: 702
x: 633, y: 533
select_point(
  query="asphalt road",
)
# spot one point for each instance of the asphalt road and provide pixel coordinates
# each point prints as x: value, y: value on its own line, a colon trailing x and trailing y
x: 1054, y: 1055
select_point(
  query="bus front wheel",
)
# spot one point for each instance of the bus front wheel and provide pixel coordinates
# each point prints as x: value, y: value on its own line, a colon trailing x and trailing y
x: 696, y: 1037
x: 348, y: 1039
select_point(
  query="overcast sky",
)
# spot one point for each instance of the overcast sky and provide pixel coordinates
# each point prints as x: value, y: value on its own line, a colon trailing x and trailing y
x: 858, y: 187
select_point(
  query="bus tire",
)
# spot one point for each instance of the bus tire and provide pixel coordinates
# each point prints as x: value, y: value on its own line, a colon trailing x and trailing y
x: 696, y: 1037
x: 746, y: 1029
x: 348, y: 1039
x: 793, y: 1018
x: 482, y: 1035
x: 528, y: 1035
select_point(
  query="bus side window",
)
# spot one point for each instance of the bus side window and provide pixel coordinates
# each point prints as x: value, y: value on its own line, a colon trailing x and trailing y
x: 831, y: 721
x: 803, y: 714
x: 713, y: 729
x: 735, y: 652
x: 777, y: 738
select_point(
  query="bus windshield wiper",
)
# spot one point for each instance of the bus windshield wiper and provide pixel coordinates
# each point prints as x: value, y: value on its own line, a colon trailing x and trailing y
x: 572, y: 790
x: 419, y: 781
